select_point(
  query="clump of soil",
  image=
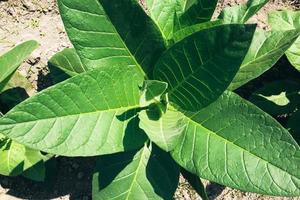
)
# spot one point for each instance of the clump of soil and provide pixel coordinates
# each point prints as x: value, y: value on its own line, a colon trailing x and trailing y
x: 22, y: 20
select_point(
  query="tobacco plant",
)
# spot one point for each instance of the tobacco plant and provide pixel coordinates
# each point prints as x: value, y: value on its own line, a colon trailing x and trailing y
x: 151, y: 94
x: 15, y: 158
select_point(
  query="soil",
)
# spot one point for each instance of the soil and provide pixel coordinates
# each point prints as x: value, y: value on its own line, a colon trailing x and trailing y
x: 22, y: 20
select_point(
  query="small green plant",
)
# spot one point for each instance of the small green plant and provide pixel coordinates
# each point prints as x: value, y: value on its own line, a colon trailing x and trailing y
x: 15, y: 158
x: 151, y: 95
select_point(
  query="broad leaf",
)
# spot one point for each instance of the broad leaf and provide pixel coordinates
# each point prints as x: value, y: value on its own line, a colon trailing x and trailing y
x: 277, y: 98
x: 265, y: 50
x: 109, y: 32
x: 68, y: 61
x: 196, y: 183
x: 242, y: 13
x: 200, y: 67
x: 10, y: 61
x: 288, y: 20
x: 293, y: 125
x: 164, y: 131
x: 234, y: 143
x: 146, y: 174
x: 89, y: 114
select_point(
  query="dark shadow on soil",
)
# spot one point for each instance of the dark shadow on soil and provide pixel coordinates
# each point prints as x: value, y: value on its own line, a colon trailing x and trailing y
x: 72, y: 176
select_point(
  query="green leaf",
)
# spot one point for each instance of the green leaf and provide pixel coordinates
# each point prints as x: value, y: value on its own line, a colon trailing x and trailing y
x: 12, y: 157
x: 146, y: 174
x: 90, y: 114
x: 242, y: 13
x: 200, y: 67
x: 288, y: 20
x: 18, y: 80
x: 34, y: 165
x: 278, y: 97
x: 152, y: 92
x: 162, y: 13
x: 165, y: 131
x: 110, y: 32
x: 195, y: 12
x: 265, y: 50
x: 188, y: 12
x: 233, y: 143
x: 293, y: 125
x: 68, y: 61
x: 195, y: 182
x: 183, y: 33
x: 10, y: 61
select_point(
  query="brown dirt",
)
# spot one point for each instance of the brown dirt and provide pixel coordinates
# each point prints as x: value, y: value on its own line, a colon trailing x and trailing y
x: 22, y: 20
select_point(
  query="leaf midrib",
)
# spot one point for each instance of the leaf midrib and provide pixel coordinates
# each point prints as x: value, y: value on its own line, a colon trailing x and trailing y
x: 76, y: 114
x: 240, y: 147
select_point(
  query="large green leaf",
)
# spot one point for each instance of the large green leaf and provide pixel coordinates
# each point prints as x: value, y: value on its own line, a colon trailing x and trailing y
x: 68, y: 61
x: 164, y: 131
x: 10, y: 61
x: 288, y: 20
x: 200, y: 67
x: 107, y: 32
x: 89, y: 114
x: 278, y: 97
x: 265, y: 50
x: 234, y: 143
x: 242, y: 13
x: 146, y: 174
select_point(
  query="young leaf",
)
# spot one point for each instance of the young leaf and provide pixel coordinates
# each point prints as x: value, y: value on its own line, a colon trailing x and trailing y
x: 194, y: 12
x: 241, y: 13
x: 89, y: 114
x: 277, y: 98
x: 288, y: 20
x: 188, y: 12
x: 265, y: 50
x: 234, y: 143
x: 110, y: 32
x: 152, y: 92
x: 68, y: 61
x: 196, y: 183
x: 147, y: 174
x: 162, y: 13
x: 10, y: 61
x: 165, y: 132
x: 200, y: 67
